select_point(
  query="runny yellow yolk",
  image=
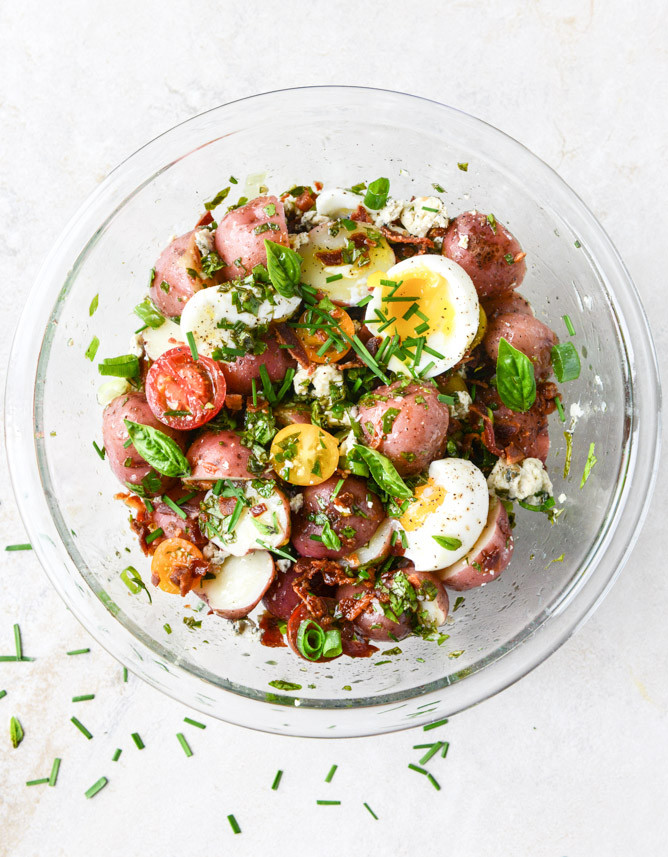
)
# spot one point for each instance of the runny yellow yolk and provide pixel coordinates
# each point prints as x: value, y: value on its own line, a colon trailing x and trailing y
x: 428, y: 498
x: 429, y: 290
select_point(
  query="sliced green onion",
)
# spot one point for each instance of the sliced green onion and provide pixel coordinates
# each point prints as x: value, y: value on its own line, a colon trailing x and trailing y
x: 234, y: 824
x: 328, y: 802
x: 96, y: 787
x: 83, y: 698
x: 79, y: 652
x: 91, y: 351
x: 125, y: 366
x: 24, y: 547
x: 332, y: 647
x: 93, y: 305
x: 569, y: 325
x: 448, y: 400
x: 138, y: 741
x: 193, y: 345
x: 182, y: 741
x: 569, y: 453
x: 310, y: 639
x: 154, y: 535
x: 330, y: 775
x: 560, y: 409
x: 16, y: 733
x: 376, y: 195
x: 435, y: 725
x: 194, y: 723
x: 17, y: 643
x: 53, y: 777
x: 117, y: 755
x: 448, y: 542
x: 589, y: 465
x: 566, y: 362
x: 371, y: 811
x: 81, y: 727
x: 463, y: 166
x: 3, y: 693
x: 149, y: 314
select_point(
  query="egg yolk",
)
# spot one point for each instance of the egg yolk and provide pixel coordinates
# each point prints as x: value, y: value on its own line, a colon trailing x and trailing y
x: 419, y: 303
x: 428, y: 498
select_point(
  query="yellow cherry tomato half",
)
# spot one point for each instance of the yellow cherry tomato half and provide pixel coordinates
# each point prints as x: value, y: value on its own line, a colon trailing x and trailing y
x: 304, y: 454
x: 322, y: 345
x: 168, y: 556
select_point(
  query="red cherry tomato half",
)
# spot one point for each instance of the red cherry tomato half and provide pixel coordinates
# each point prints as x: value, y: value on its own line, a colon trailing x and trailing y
x: 184, y: 393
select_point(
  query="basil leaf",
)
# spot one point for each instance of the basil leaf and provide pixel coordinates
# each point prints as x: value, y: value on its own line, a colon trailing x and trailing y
x: 566, y: 362
x: 148, y: 313
x: 448, y: 542
x: 383, y: 471
x: 329, y: 538
x: 284, y: 266
x: 218, y: 198
x: 515, y: 379
x: 157, y: 449
x: 376, y: 196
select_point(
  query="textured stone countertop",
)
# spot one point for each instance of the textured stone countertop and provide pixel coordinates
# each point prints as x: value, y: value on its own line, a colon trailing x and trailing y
x: 570, y: 762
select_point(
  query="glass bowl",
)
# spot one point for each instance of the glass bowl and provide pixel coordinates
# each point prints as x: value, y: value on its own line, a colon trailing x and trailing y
x: 339, y: 135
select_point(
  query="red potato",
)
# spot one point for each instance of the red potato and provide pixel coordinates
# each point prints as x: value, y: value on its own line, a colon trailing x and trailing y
x: 218, y: 455
x: 239, y: 584
x: 125, y: 462
x: 240, y: 235
x: 354, y: 515
x: 411, y: 438
x: 481, y: 248
x: 281, y: 598
x: 510, y: 302
x: 373, y: 623
x: 519, y: 435
x: 172, y: 524
x: 435, y: 607
x: 527, y: 334
x: 488, y: 557
x: 172, y: 285
x: 239, y: 373
x: 376, y: 550
x: 294, y: 414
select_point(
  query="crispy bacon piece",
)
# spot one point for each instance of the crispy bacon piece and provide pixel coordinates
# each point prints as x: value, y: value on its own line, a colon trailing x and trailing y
x: 258, y: 510
x: 361, y: 215
x: 330, y: 257
x: 187, y: 576
x: 205, y: 219
x: 401, y: 238
x: 234, y: 401
x: 286, y: 336
x: 331, y: 574
x: 305, y: 200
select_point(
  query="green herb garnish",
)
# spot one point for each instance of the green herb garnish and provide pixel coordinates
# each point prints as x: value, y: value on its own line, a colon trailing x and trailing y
x: 515, y: 380
x: 566, y: 362
x: 376, y: 195
x: 158, y: 450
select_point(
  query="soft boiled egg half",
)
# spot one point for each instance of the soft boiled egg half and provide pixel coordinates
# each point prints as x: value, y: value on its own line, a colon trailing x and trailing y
x: 452, y: 505
x: 430, y: 302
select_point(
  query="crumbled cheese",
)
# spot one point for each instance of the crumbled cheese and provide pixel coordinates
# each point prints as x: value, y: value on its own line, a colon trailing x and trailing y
x: 214, y: 554
x: 311, y: 218
x: 463, y: 242
x: 561, y: 498
x: 245, y: 626
x: 576, y: 411
x: 301, y: 381
x: 320, y: 380
x: 389, y: 212
x: 461, y: 406
x: 298, y: 239
x: 205, y: 241
x: 348, y: 442
x: 418, y: 221
x: 296, y: 502
x: 522, y: 481
x: 282, y: 564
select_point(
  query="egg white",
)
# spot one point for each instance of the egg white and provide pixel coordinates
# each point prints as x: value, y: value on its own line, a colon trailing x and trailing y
x: 460, y: 514
x: 463, y: 299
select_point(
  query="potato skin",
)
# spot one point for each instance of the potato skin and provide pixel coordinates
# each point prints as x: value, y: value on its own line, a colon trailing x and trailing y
x: 340, y: 512
x: 438, y: 607
x: 171, y: 268
x: 133, y: 406
x: 490, y: 555
x: 239, y: 373
x: 373, y: 623
x: 521, y: 435
x: 218, y: 455
x: 527, y: 334
x: 173, y: 525
x: 418, y: 434
x: 507, y: 303
x: 480, y: 247
x: 236, y: 238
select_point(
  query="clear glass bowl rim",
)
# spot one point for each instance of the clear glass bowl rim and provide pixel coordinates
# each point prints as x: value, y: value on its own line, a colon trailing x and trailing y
x: 539, y: 640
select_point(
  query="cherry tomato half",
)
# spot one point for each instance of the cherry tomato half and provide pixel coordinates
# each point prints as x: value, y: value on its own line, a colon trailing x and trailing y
x: 316, y: 339
x: 168, y: 557
x: 184, y: 393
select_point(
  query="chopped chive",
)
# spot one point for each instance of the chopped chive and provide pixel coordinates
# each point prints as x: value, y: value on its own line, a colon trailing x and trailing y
x: 449, y: 400
x: 325, y: 347
x: 173, y: 506
x: 330, y: 775
x: 194, y: 723
x: 401, y: 299
x: 424, y: 746
x: 287, y: 381
x: 117, y: 755
x: 589, y: 464
x: 79, y: 652
x: 333, y: 278
x: 339, y: 486
x: 93, y: 305
x: 419, y: 770
x: 81, y: 727
x: 569, y: 325
x: 125, y: 673
x: 154, y: 535
x: 277, y: 780
x: 101, y: 451
x: 193, y: 345
x: 83, y: 698
x: 232, y: 180
x: 438, y: 188
x: 37, y: 782
x: 3, y: 693
x: 182, y: 741
x: 138, y: 741
x: 371, y: 811
x: 328, y: 802
x: 17, y: 643
x: 182, y: 500
x: 234, y: 824
x: 423, y: 328
x: 254, y: 392
x: 91, y: 351
x: 444, y: 751
x: 365, y: 300
x: 167, y: 628
x: 24, y: 547
x: 435, y: 725
x: 267, y: 387
x: 96, y: 787
x: 54, y: 772
x: 217, y: 488
x: 387, y: 324
x: 463, y: 166
x: 431, y: 752
x: 433, y: 782
x: 560, y: 409
x: 4, y: 658
x: 427, y: 208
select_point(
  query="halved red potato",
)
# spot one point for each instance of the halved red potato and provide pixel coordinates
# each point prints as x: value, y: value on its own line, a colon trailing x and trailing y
x: 487, y: 251
x: 281, y: 598
x: 218, y: 455
x: 125, y: 462
x: 520, y: 434
x: 172, y: 285
x: 428, y: 584
x: 240, y: 373
x: 241, y: 233
x: 527, y: 334
x: 488, y: 557
x: 293, y: 414
x: 174, y: 525
x: 373, y: 623
x: 375, y: 550
x: 507, y: 303
x: 239, y: 584
x: 407, y: 423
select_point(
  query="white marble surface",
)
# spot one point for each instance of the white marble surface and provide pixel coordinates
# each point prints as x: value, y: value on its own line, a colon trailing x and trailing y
x: 572, y: 761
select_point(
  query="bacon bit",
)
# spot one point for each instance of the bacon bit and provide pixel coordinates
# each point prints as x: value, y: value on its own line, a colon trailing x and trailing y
x: 400, y: 238
x: 332, y: 575
x: 205, y: 219
x: 186, y: 576
x: 258, y: 510
x: 271, y: 635
x: 351, y: 608
x: 437, y: 232
x: 519, y: 256
x: 330, y: 257
x: 318, y: 186
x: 287, y: 336
x: 361, y: 241
x: 234, y: 401
x: 132, y: 501
x: 305, y: 200
x: 360, y: 215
